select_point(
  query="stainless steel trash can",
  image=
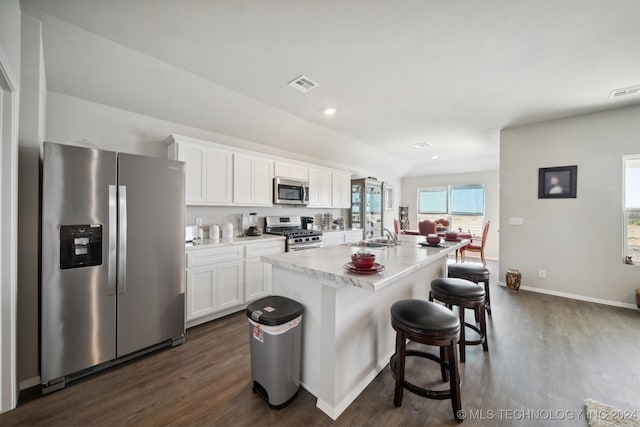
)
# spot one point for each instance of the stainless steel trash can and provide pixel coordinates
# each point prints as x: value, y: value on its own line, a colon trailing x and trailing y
x: 275, y: 325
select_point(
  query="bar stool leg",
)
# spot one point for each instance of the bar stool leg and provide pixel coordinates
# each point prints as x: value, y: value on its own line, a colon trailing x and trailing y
x: 483, y: 328
x: 401, y: 349
x: 444, y: 356
x: 462, y: 335
x: 454, y: 384
x: 487, y: 297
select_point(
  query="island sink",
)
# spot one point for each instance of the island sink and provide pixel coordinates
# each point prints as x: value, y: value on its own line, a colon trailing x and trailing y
x: 378, y: 242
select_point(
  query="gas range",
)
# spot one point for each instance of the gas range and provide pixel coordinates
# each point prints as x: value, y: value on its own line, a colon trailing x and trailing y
x: 291, y: 227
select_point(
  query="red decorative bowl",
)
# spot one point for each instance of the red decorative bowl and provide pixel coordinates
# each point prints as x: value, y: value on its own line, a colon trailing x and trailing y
x: 363, y: 260
x: 450, y: 235
x: 433, y: 239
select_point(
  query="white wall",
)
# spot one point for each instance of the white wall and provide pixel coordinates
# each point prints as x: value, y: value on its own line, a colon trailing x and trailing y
x: 577, y: 241
x: 491, y: 182
x: 9, y: 117
x: 32, y: 128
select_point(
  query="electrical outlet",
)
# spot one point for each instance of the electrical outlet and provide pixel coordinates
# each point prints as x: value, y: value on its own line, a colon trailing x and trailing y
x: 542, y: 274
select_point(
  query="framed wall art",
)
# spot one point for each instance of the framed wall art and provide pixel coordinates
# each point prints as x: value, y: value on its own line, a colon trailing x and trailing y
x: 557, y: 182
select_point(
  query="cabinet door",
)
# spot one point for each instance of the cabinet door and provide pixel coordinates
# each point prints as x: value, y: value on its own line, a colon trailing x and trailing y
x: 218, y: 175
x: 195, y: 157
x: 262, y: 182
x: 230, y: 279
x: 341, y: 190
x: 319, y: 188
x: 202, y: 291
x: 290, y: 170
x: 242, y: 179
x: 258, y: 279
x: 252, y: 180
x: 333, y: 238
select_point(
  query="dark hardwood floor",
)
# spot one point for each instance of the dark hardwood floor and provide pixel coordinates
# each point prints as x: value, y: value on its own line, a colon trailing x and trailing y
x: 546, y: 356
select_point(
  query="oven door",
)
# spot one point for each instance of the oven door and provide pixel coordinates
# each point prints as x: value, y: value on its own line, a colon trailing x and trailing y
x: 304, y: 246
x: 290, y: 192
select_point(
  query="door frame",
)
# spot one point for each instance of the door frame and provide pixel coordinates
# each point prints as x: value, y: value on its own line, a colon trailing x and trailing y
x: 9, y: 109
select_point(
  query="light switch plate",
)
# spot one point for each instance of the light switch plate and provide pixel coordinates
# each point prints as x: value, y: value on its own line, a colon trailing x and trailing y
x: 515, y: 220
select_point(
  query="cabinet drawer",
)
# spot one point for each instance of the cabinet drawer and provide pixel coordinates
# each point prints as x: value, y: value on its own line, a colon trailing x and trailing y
x: 211, y: 256
x: 266, y: 248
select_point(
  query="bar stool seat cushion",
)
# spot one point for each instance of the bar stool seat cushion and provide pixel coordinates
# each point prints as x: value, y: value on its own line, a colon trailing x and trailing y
x: 425, y: 316
x: 476, y: 273
x: 459, y: 288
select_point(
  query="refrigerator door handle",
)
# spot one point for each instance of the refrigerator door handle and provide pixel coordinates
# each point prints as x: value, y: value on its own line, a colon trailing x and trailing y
x: 113, y: 224
x: 122, y: 239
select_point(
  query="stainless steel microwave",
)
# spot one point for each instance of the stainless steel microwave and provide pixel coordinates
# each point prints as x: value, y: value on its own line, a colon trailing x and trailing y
x: 287, y: 191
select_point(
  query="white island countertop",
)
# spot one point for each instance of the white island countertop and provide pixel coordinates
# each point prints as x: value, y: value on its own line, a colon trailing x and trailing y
x: 327, y: 264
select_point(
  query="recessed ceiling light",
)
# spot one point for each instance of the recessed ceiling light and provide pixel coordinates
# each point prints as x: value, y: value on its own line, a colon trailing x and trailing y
x: 329, y: 111
x: 421, y: 145
x: 435, y: 156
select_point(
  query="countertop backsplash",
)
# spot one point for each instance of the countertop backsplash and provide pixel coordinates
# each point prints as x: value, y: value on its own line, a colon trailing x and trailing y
x: 222, y: 214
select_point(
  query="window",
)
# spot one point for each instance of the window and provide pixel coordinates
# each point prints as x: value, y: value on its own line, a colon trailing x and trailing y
x: 632, y: 208
x: 461, y: 205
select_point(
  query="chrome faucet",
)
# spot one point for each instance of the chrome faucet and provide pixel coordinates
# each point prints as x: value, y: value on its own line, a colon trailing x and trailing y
x: 391, y: 236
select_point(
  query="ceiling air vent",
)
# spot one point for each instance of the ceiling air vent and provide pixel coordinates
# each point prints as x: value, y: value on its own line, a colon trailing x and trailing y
x: 303, y: 83
x: 630, y: 90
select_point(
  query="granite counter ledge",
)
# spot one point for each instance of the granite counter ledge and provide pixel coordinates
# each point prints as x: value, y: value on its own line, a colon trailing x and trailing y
x: 327, y: 264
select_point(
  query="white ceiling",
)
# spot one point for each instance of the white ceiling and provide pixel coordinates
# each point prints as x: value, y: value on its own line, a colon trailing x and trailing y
x: 399, y: 72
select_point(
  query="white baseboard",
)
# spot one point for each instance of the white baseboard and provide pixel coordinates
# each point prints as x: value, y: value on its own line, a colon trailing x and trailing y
x: 574, y: 296
x: 28, y: 383
x: 335, y: 411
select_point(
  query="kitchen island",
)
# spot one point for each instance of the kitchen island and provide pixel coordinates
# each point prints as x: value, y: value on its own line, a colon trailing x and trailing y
x: 347, y: 337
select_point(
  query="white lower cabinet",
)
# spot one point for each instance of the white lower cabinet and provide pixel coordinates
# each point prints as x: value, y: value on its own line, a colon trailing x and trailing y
x: 258, y: 279
x: 221, y: 281
x: 332, y: 238
x: 230, y: 280
x: 213, y: 288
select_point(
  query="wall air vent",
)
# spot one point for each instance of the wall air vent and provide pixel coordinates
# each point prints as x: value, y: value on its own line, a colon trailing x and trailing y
x: 303, y: 83
x: 630, y: 90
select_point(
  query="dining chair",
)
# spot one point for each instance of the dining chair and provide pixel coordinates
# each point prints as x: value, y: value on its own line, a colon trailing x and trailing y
x: 442, y: 222
x: 427, y: 227
x: 477, y: 248
x: 396, y: 226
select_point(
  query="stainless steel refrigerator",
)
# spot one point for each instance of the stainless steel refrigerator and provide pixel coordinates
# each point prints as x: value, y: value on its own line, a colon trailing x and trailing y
x: 113, y: 259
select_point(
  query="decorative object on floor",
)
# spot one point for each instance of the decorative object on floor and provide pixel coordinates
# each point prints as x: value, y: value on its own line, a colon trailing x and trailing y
x: 601, y: 415
x: 628, y: 260
x: 404, y: 217
x: 513, y: 278
x: 558, y: 182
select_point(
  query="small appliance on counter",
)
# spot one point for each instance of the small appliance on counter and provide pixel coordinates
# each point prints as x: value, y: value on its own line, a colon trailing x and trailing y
x: 307, y: 222
x: 253, y: 229
x: 190, y: 233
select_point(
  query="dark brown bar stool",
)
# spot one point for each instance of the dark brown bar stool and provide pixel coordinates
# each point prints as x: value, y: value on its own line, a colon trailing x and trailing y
x: 473, y: 273
x: 431, y: 324
x: 464, y: 294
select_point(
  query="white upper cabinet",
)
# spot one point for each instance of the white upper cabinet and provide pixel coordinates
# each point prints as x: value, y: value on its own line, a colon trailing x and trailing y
x: 319, y: 188
x: 291, y: 170
x: 217, y: 175
x: 208, y: 172
x: 341, y: 189
x: 252, y: 180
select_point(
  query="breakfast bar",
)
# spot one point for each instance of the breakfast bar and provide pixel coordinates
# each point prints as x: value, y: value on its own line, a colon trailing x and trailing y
x: 347, y: 336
